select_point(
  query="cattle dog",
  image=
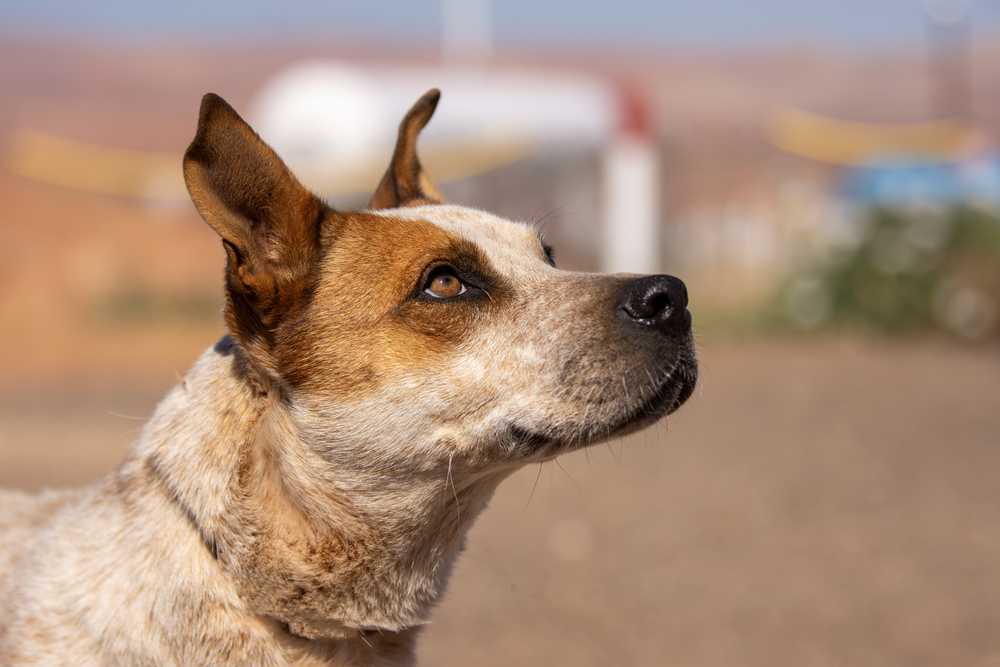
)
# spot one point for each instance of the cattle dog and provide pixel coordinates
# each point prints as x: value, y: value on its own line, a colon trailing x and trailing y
x: 301, y: 496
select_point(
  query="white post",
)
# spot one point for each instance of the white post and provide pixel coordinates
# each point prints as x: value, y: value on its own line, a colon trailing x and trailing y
x: 631, y: 230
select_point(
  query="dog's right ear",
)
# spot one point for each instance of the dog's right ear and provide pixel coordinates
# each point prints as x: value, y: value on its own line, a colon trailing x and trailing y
x: 405, y: 182
x: 269, y: 223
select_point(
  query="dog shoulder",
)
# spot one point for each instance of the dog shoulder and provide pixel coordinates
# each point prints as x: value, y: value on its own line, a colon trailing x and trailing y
x: 22, y: 518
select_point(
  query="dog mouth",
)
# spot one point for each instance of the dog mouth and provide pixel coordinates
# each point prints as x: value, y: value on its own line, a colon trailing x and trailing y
x: 526, y: 442
x: 675, y: 389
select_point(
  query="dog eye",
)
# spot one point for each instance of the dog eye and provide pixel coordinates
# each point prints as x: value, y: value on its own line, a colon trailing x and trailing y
x: 550, y: 253
x: 445, y: 284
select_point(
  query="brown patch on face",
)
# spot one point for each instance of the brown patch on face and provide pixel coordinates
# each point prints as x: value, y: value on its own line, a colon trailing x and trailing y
x: 369, y: 318
x: 276, y: 233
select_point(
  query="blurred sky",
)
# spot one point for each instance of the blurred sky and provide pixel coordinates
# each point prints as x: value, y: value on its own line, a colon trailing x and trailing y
x: 629, y: 25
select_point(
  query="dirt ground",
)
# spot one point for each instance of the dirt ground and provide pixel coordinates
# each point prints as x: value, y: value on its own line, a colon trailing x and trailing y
x: 823, y: 502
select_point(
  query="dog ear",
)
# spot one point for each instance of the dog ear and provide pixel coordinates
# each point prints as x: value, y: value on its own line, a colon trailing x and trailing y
x: 405, y: 183
x: 269, y: 223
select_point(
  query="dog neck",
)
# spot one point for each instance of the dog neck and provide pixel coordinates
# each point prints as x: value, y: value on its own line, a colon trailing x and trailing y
x: 327, y: 551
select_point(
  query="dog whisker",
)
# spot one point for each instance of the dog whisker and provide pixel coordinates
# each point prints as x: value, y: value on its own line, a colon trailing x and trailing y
x: 116, y: 414
x: 571, y: 478
x: 532, y: 494
x: 458, y: 507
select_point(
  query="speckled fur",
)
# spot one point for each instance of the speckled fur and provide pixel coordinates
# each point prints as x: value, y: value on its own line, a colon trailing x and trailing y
x: 301, y: 496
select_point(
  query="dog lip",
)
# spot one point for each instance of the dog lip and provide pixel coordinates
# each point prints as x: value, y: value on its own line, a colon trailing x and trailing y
x: 531, y: 439
x: 686, y: 388
x: 676, y: 389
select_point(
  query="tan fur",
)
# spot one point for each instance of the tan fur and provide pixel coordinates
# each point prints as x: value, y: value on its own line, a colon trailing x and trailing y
x: 300, y: 498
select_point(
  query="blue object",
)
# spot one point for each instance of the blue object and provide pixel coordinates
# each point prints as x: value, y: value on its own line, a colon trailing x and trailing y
x: 894, y: 184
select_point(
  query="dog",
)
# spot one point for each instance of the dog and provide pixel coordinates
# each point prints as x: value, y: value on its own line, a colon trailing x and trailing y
x: 301, y: 496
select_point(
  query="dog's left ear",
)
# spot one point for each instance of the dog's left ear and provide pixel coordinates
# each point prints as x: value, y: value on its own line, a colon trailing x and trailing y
x: 269, y: 223
x: 405, y: 183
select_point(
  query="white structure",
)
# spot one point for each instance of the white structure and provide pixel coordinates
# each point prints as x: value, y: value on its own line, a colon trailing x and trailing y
x: 631, y: 224
x: 335, y: 125
x: 631, y: 173
x: 338, y: 110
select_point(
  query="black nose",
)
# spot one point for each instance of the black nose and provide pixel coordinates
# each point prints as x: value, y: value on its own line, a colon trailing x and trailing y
x: 659, y: 302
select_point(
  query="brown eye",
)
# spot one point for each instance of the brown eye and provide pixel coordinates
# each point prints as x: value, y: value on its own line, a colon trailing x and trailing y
x: 445, y: 285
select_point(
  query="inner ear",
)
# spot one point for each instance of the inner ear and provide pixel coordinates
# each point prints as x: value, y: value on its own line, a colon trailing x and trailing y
x: 269, y: 223
x: 405, y: 182
x: 267, y: 220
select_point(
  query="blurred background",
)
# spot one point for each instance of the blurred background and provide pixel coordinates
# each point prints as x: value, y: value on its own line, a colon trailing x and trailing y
x: 824, y: 176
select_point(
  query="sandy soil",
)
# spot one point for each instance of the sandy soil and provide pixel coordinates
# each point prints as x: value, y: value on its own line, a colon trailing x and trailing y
x: 823, y: 502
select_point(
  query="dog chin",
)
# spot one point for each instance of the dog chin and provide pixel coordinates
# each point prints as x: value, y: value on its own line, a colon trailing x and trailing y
x: 530, y: 442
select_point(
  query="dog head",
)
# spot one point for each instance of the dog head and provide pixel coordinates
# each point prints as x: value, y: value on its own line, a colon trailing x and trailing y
x: 418, y: 346
x: 441, y: 323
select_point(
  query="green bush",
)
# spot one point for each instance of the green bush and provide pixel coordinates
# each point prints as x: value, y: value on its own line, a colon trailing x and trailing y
x: 907, y: 269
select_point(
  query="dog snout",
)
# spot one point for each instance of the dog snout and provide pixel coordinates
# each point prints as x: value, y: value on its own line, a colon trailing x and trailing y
x: 659, y: 302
